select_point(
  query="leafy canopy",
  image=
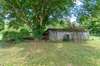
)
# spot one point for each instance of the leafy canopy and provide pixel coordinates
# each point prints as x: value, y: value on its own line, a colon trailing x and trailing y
x: 35, y: 13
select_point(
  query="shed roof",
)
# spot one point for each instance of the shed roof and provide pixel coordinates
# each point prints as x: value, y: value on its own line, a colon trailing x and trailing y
x: 67, y: 29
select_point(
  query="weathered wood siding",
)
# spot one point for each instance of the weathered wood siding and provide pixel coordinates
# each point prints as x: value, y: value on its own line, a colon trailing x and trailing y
x: 59, y: 35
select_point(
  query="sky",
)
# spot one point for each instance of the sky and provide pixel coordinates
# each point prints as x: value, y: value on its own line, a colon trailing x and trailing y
x: 74, y: 12
x: 77, y: 9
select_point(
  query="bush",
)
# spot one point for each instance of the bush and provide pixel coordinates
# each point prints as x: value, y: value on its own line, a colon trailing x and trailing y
x: 24, y: 33
x: 16, y: 36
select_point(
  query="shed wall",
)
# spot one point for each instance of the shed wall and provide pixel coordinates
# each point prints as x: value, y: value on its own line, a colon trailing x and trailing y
x: 59, y: 35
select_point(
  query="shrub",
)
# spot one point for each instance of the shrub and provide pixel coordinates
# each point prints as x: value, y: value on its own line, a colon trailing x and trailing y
x: 24, y: 33
x: 16, y: 36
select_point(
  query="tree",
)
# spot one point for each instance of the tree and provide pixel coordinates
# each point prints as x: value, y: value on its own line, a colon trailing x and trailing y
x: 92, y: 22
x: 35, y: 13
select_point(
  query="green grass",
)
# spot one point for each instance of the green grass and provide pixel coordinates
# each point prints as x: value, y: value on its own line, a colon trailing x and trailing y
x: 51, y: 54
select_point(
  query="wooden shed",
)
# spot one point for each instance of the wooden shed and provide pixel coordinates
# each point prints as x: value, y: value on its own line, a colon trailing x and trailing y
x: 66, y: 34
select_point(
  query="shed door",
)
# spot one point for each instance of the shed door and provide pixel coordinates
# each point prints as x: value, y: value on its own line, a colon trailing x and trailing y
x: 66, y: 37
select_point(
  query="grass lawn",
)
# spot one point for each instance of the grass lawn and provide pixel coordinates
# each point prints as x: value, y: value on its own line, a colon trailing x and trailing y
x: 51, y: 54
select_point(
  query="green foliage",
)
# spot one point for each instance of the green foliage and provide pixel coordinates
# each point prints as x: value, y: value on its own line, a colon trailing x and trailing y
x: 16, y: 36
x: 1, y: 26
x: 24, y: 33
x: 35, y: 13
x: 13, y: 36
x: 38, y: 32
x: 92, y: 22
